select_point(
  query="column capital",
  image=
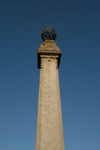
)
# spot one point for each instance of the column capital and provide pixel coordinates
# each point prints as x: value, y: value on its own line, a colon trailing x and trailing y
x: 49, y: 48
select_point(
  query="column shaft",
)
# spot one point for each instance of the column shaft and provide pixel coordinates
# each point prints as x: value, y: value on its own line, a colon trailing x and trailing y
x: 49, y: 121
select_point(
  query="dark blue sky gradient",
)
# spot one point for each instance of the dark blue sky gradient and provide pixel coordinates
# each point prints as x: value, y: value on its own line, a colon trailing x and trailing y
x: 77, y: 24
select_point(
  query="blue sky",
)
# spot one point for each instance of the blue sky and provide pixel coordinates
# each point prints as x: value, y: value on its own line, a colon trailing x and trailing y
x: 77, y: 24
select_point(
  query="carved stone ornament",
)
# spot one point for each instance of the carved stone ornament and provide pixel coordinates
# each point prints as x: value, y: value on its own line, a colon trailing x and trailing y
x: 49, y: 49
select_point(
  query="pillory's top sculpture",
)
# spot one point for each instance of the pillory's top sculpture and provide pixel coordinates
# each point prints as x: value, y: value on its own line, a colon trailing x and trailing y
x: 48, y: 47
x: 48, y: 34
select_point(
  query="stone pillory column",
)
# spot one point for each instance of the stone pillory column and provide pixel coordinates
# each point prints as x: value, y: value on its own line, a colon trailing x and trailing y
x: 49, y: 121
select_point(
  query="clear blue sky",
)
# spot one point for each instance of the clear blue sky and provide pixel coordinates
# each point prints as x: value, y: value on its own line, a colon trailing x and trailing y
x: 77, y: 24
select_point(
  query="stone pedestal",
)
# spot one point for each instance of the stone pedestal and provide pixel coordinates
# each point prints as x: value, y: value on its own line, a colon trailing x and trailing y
x: 49, y: 121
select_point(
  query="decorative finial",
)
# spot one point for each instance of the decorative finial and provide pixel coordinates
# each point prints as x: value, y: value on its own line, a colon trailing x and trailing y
x: 48, y: 34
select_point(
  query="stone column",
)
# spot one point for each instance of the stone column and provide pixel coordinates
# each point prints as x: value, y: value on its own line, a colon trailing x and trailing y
x: 49, y: 121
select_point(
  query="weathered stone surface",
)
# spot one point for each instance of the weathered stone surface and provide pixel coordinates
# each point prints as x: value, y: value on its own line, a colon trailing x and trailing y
x: 49, y: 121
x: 49, y: 47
